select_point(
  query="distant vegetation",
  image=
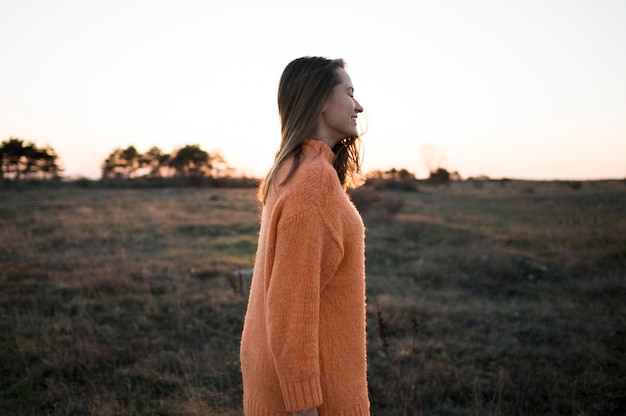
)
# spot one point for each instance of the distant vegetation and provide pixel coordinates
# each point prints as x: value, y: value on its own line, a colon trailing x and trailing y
x: 190, y: 161
x: 24, y: 160
x: 20, y: 160
x: 191, y: 165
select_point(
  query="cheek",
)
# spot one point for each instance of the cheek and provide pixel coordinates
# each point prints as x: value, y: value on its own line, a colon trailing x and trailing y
x: 348, y: 105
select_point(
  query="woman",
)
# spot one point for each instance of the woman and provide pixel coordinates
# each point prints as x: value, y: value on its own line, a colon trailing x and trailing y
x: 303, y: 342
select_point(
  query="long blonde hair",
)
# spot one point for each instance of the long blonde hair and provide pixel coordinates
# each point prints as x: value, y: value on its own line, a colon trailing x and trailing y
x: 304, y: 87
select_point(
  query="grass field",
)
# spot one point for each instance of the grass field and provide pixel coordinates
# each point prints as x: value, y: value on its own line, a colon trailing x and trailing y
x: 484, y: 298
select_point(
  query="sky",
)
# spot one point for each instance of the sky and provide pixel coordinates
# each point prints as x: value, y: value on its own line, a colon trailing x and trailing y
x: 532, y: 89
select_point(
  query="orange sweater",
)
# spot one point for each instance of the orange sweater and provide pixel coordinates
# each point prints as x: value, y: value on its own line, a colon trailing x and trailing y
x: 303, y: 342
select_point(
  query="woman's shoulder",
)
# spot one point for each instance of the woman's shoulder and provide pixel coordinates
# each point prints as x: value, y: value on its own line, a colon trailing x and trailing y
x: 314, y: 183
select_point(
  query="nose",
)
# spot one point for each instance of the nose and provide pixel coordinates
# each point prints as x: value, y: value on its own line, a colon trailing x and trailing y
x: 358, y: 107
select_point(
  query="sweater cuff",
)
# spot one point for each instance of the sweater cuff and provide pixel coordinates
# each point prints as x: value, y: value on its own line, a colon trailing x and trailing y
x: 302, y: 395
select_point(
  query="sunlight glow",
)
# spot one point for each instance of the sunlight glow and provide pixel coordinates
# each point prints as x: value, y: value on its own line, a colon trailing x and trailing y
x: 522, y: 90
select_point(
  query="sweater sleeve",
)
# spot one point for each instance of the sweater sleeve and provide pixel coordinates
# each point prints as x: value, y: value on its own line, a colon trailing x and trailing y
x: 303, y: 250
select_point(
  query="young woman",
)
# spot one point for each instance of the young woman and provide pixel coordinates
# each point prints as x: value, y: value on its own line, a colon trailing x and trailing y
x: 303, y: 342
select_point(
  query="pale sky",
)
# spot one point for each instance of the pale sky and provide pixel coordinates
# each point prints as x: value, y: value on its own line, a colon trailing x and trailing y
x: 532, y: 89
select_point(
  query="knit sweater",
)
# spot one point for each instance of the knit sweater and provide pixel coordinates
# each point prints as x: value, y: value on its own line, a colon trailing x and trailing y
x: 303, y: 343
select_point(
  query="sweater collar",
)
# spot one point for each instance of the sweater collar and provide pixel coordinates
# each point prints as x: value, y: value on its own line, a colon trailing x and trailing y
x: 312, y: 146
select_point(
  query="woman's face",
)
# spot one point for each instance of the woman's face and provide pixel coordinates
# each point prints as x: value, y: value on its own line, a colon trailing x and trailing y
x: 339, y: 114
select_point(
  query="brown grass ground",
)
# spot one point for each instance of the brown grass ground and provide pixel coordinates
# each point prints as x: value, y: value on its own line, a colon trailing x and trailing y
x: 496, y: 297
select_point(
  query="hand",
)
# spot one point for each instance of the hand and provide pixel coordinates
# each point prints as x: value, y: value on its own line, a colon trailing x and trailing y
x: 309, y: 412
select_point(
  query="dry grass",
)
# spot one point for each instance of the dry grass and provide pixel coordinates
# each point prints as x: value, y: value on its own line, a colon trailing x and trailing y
x: 101, y: 312
x: 519, y: 289
x: 124, y: 302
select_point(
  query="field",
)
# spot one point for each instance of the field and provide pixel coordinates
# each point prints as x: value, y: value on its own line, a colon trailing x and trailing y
x: 484, y: 298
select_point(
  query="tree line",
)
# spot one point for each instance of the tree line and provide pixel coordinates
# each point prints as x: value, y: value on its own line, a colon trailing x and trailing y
x: 24, y: 160
x: 190, y: 161
x: 21, y: 160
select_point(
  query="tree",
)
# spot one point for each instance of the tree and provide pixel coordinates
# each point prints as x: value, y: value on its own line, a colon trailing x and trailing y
x: 20, y: 160
x: 122, y: 163
x: 187, y: 162
x: 41, y: 163
x: 11, y: 152
x: 191, y: 162
x: 439, y: 176
x: 156, y: 161
x: 132, y: 159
